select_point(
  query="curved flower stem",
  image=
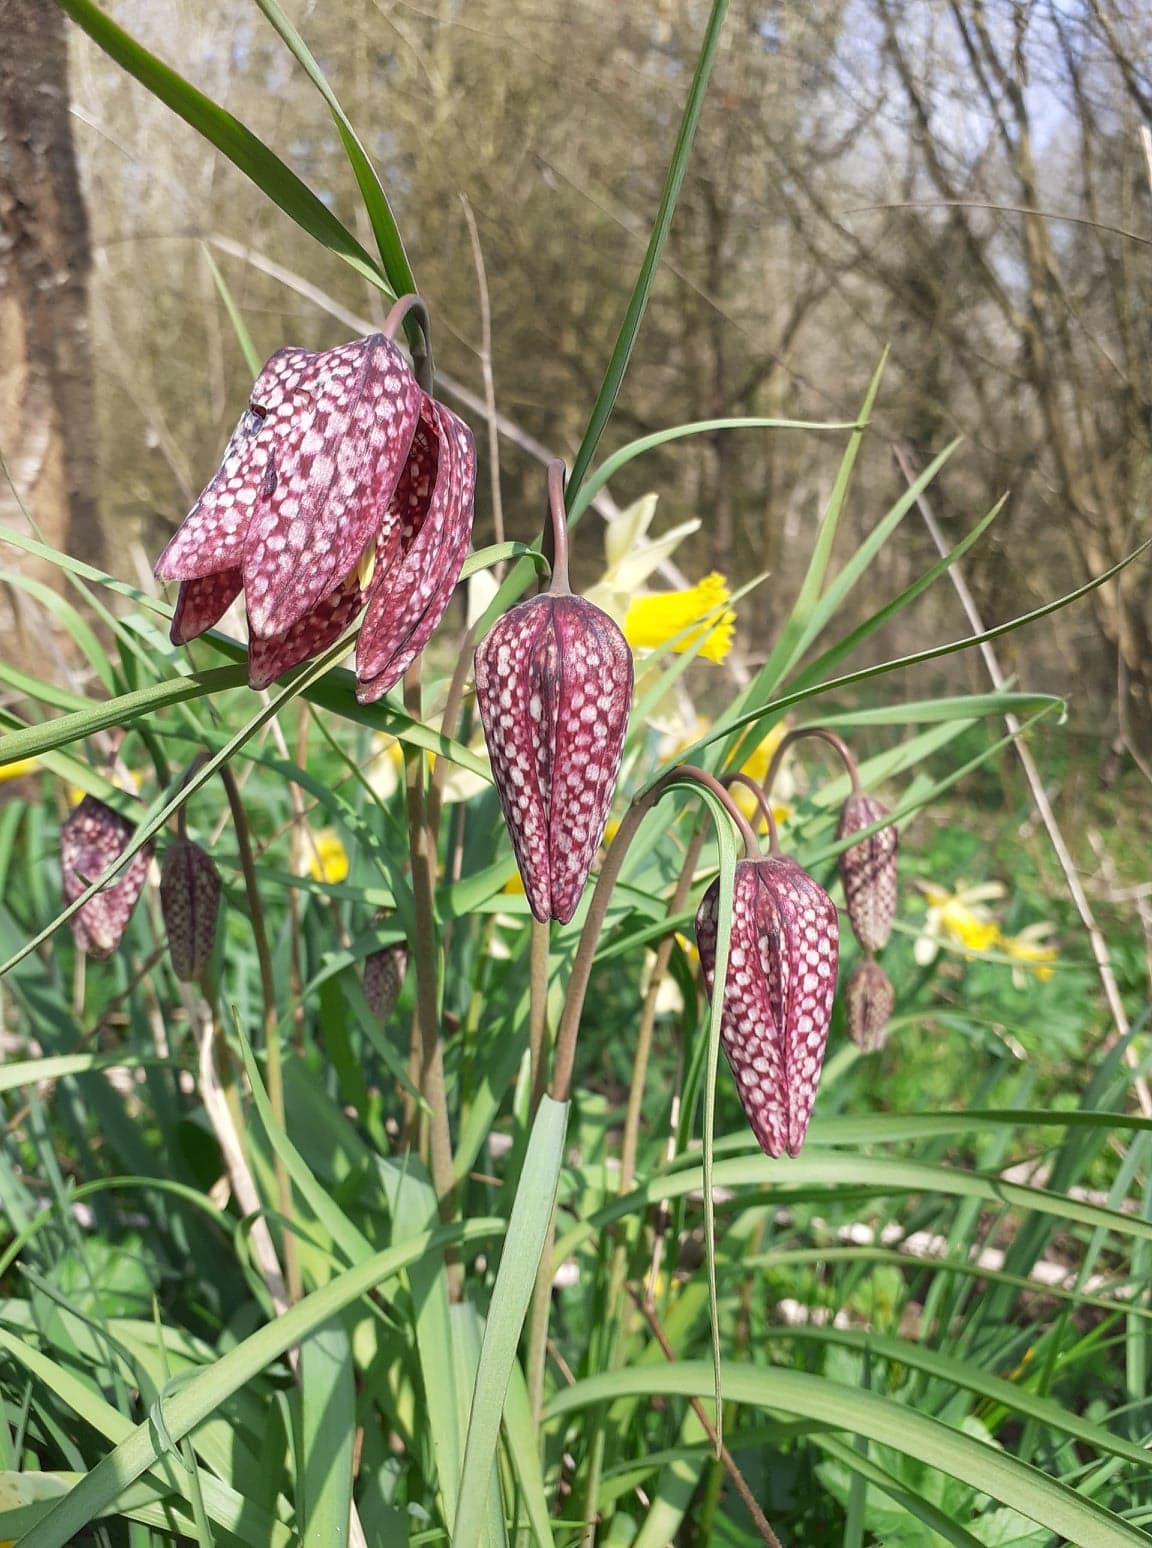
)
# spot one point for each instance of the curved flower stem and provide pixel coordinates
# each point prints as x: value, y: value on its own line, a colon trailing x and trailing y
x: 825, y: 736
x: 748, y: 783
x: 422, y: 850
x: 573, y: 1008
x: 557, y: 531
x: 538, y: 1011
x: 421, y: 358
x: 274, y: 1065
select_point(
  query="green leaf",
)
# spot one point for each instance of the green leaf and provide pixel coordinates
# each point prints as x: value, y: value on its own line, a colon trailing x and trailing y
x: 983, y: 1466
x: 327, y: 1436
x: 271, y: 175
x: 637, y: 305
x: 515, y: 1279
x: 384, y: 228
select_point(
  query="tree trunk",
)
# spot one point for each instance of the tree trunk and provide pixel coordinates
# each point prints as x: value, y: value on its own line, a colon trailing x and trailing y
x: 47, y: 433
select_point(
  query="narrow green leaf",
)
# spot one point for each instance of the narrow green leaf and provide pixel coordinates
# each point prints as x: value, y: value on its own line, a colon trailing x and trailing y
x: 630, y: 327
x: 239, y: 326
x: 271, y: 175
x: 515, y: 1278
x: 984, y: 1467
x: 327, y: 1436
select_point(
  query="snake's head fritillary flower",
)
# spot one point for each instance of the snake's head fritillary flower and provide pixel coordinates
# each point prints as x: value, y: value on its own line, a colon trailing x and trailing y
x: 190, y: 906
x: 553, y: 686
x: 341, y: 467
x: 868, y: 871
x: 384, y: 972
x: 91, y: 838
x: 778, y: 993
x: 868, y: 1002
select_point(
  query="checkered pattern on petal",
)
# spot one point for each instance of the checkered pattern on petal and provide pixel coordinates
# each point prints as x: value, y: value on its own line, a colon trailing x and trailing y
x: 777, y: 995
x: 868, y: 872
x: 91, y: 838
x: 322, y: 626
x: 190, y: 906
x: 554, y: 686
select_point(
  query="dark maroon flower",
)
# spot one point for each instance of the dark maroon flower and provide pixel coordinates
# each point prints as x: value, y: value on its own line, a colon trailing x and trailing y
x: 384, y: 972
x: 868, y: 871
x: 312, y: 488
x: 778, y: 993
x: 868, y: 1002
x: 553, y: 686
x: 190, y: 905
x: 91, y: 838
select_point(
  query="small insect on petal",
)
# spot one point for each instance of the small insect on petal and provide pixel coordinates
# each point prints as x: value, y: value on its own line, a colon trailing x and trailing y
x: 190, y: 905
x: 92, y: 837
x: 421, y: 551
x: 554, y: 686
x: 868, y: 1002
x: 868, y: 872
x: 778, y: 993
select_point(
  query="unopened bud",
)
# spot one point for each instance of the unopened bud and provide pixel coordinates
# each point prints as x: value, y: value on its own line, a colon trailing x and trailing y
x: 868, y: 1002
x: 190, y: 904
x: 384, y: 977
x: 868, y: 871
x: 91, y: 839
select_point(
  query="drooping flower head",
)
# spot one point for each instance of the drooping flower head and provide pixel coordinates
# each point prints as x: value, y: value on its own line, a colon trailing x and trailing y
x: 868, y: 1003
x: 554, y: 686
x: 778, y: 993
x: 868, y: 871
x: 190, y: 906
x: 338, y: 465
x: 91, y: 838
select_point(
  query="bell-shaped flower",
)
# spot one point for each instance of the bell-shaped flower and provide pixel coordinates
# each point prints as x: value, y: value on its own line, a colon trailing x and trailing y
x: 91, y: 838
x: 868, y: 871
x: 778, y: 993
x: 190, y: 907
x: 553, y: 687
x: 338, y: 465
x: 868, y: 1003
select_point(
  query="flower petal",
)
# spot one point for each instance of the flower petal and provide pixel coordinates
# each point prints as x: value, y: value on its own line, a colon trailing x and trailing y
x: 203, y: 602
x: 91, y: 838
x: 407, y: 599
x: 270, y: 658
x: 211, y: 537
x: 333, y: 479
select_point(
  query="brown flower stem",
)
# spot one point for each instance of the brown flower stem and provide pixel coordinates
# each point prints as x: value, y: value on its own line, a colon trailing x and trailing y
x: 569, y: 1027
x: 718, y: 1446
x: 538, y: 1011
x: 273, y: 1066
x: 556, y: 533
x: 420, y: 343
x: 746, y: 782
x: 825, y: 736
x: 422, y: 850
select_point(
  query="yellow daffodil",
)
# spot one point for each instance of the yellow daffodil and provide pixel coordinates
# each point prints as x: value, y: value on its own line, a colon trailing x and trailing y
x: 755, y: 766
x: 18, y: 769
x: 1031, y: 951
x: 654, y: 621
x: 632, y: 556
x: 957, y: 918
x: 329, y: 858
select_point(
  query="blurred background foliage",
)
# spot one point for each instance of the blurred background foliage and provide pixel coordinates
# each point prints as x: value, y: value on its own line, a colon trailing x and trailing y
x: 811, y: 233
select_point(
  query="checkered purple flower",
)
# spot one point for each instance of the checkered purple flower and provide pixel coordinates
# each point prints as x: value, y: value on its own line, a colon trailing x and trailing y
x: 340, y: 466
x: 91, y: 838
x: 554, y: 686
x: 190, y: 906
x: 868, y: 871
x: 778, y: 993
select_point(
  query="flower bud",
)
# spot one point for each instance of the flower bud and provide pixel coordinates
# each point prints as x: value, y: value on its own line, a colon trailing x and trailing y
x: 868, y: 1002
x: 91, y: 838
x: 190, y: 905
x: 868, y: 872
x: 553, y: 686
x: 384, y: 977
x: 778, y: 993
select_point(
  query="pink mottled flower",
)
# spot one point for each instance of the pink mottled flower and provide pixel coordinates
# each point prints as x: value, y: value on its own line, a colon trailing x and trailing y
x: 339, y: 457
x: 91, y: 838
x: 868, y: 1002
x: 553, y: 686
x: 190, y: 906
x: 778, y: 993
x: 868, y: 871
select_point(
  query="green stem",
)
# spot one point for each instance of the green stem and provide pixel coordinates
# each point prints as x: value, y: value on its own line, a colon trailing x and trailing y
x: 274, y: 1066
x: 421, y: 358
x: 538, y: 1011
x: 422, y: 850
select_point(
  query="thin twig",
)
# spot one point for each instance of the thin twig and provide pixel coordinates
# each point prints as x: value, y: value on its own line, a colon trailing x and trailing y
x: 1079, y: 897
x: 486, y: 373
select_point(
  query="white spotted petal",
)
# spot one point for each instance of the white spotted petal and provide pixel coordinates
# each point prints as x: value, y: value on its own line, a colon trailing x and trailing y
x: 778, y: 993
x: 554, y: 686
